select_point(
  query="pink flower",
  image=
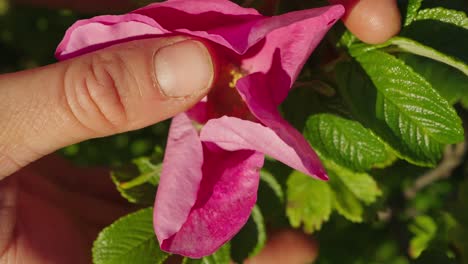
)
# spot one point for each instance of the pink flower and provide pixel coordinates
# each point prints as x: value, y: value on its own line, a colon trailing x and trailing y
x: 210, y: 177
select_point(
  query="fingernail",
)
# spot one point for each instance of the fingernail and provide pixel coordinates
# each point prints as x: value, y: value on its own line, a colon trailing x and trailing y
x: 183, y: 69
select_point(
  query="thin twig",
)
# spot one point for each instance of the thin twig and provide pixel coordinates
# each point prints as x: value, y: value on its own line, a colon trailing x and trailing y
x: 453, y: 156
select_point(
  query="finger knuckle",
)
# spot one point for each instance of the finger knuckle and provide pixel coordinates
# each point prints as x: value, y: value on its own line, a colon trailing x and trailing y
x: 98, y: 91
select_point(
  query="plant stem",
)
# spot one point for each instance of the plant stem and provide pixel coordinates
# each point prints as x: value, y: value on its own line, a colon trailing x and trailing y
x: 453, y: 156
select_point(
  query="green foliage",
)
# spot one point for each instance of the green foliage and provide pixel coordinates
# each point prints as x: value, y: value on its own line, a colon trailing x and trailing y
x: 412, y: 10
x: 409, y: 104
x: 129, y: 240
x: 222, y: 256
x: 118, y: 150
x: 309, y: 202
x: 345, y: 141
x: 459, y: 233
x: 269, y: 180
x: 270, y: 198
x: 361, y: 184
x: 414, y: 47
x: 360, y: 96
x: 457, y: 18
x: 345, y: 202
x: 438, y: 33
x: 137, y: 182
x: 424, y: 230
x: 450, y: 84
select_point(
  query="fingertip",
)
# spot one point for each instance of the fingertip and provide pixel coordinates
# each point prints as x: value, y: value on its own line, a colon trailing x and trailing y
x: 182, y: 61
x: 372, y: 21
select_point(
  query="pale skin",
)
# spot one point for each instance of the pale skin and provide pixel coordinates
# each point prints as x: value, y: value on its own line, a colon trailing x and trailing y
x: 47, y: 108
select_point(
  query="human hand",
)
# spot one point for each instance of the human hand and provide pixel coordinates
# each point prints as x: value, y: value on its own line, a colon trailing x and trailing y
x: 50, y: 212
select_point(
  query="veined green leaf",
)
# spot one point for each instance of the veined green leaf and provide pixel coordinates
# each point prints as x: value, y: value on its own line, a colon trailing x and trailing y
x: 345, y: 141
x: 360, y: 95
x: 446, y: 34
x: 130, y: 239
x: 450, y: 84
x: 414, y: 47
x: 344, y: 201
x: 455, y: 17
x: 362, y: 185
x: 412, y: 10
x: 410, y: 106
x: 309, y: 202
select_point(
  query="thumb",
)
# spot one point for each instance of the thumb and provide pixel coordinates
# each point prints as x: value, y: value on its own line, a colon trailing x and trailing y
x: 117, y: 89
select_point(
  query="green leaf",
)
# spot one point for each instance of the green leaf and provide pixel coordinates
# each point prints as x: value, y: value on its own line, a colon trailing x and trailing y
x: 273, y: 184
x: 414, y: 47
x: 345, y: 142
x: 412, y: 10
x: 306, y: 100
x: 424, y: 229
x: 270, y: 197
x: 454, y: 17
x: 309, y: 202
x: 444, y: 34
x: 362, y: 185
x: 450, y: 84
x: 360, y: 96
x: 251, y: 239
x: 464, y: 101
x: 222, y: 256
x: 130, y: 239
x: 347, y: 39
x: 344, y: 201
x: 137, y: 182
x: 409, y: 104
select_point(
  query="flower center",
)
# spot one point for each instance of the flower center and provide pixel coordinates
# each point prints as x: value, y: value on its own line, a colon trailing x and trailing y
x: 236, y: 74
x: 224, y: 99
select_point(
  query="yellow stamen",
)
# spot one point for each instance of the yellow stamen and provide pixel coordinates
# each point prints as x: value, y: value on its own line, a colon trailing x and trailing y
x: 236, y: 74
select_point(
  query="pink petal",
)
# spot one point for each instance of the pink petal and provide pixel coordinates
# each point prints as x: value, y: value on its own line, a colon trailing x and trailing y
x: 192, y: 17
x: 293, y: 36
x: 227, y: 194
x: 304, y: 29
x: 92, y: 34
x: 199, y: 112
x: 181, y: 176
x: 234, y: 134
x: 259, y: 91
x: 196, y: 7
x: 219, y: 21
